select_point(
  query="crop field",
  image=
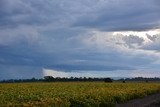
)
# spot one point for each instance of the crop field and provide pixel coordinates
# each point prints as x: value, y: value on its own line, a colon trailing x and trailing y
x: 73, y: 94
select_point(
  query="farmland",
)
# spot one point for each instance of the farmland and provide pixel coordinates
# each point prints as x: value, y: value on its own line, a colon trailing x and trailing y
x: 71, y: 94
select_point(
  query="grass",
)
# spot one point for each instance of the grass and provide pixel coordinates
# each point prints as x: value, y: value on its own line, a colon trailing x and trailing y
x: 73, y: 94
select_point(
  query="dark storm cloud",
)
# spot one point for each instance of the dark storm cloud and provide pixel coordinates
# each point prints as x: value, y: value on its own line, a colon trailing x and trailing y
x: 19, y: 72
x: 58, y: 34
x: 127, y: 15
x: 105, y: 15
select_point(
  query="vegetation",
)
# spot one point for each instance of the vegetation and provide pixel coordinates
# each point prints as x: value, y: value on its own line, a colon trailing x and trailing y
x: 75, y: 79
x: 57, y: 79
x: 140, y: 79
x: 108, y: 80
x: 73, y: 94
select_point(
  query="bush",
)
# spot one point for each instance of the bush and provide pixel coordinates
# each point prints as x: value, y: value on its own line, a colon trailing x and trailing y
x: 108, y: 80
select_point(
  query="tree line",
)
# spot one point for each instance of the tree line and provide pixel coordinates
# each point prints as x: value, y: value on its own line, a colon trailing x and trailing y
x: 78, y: 79
x: 140, y: 79
x: 57, y: 79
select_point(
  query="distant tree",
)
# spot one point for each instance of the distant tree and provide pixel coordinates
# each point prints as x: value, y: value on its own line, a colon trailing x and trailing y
x: 48, y: 78
x: 147, y: 81
x: 124, y: 81
x: 108, y: 80
x: 33, y: 79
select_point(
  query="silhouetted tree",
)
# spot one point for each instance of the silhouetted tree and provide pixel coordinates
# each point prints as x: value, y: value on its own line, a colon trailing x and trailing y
x: 48, y: 78
x: 124, y: 81
x: 108, y: 80
x: 147, y: 81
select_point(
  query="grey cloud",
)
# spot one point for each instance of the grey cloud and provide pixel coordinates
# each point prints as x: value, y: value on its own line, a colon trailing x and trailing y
x: 103, y: 15
x: 152, y: 42
x: 153, y: 38
x: 119, y: 49
x: 133, y: 41
x: 18, y: 12
x: 57, y: 34
x: 19, y: 72
x: 154, y: 45
x: 127, y: 15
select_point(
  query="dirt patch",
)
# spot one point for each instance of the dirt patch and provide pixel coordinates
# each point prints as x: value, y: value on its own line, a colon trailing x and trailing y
x: 148, y: 101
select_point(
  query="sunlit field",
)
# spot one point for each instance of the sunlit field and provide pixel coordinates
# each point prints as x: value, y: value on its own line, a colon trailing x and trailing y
x: 73, y: 94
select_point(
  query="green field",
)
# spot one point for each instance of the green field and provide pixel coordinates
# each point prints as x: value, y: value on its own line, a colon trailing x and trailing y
x: 73, y: 94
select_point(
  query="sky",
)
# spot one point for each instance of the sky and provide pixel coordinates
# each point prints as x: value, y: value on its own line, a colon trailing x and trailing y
x: 80, y: 38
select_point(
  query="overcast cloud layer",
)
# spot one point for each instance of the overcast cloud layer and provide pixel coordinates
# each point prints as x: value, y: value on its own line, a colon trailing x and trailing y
x: 100, y: 37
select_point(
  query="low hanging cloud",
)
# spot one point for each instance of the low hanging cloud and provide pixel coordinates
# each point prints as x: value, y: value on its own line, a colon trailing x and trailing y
x: 19, y: 72
x: 95, y: 35
x: 103, y: 74
x: 55, y: 73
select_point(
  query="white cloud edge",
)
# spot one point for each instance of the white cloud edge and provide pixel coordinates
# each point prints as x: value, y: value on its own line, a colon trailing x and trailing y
x: 118, y: 73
